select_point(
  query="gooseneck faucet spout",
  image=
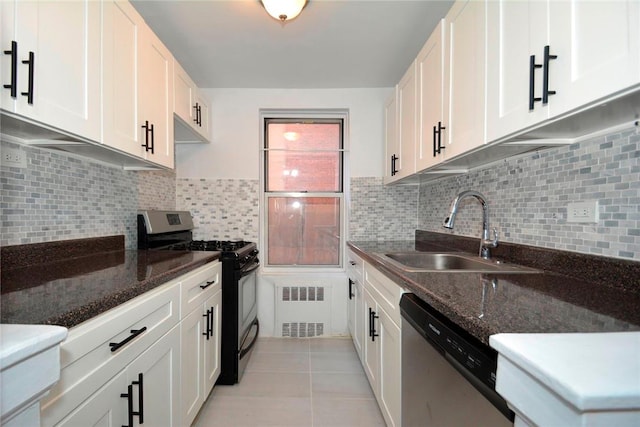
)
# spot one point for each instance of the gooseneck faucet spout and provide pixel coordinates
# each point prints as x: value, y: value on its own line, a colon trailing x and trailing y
x: 485, y: 242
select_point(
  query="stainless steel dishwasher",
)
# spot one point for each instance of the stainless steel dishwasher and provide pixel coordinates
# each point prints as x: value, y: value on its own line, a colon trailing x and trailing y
x: 448, y: 376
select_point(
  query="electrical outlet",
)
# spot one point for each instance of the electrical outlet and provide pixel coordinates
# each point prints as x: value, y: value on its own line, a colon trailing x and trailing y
x: 583, y: 212
x: 13, y: 157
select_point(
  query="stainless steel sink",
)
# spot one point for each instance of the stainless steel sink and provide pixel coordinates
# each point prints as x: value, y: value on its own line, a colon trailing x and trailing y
x: 416, y: 261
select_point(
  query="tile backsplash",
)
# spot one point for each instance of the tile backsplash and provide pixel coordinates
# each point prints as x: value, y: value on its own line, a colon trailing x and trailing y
x: 528, y: 197
x: 60, y: 197
x: 221, y: 208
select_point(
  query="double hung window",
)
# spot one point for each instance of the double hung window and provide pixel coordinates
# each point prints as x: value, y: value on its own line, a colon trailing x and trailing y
x: 303, y: 191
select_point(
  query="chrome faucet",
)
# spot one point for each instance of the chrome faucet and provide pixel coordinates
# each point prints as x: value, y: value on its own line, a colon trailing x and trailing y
x: 485, y: 242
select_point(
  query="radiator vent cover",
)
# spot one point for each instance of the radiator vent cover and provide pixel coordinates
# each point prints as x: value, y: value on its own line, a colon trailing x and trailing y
x: 303, y: 293
x: 303, y: 307
x: 302, y: 329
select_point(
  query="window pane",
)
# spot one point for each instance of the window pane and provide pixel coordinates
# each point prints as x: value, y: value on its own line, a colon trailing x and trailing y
x: 304, y: 156
x: 304, y: 231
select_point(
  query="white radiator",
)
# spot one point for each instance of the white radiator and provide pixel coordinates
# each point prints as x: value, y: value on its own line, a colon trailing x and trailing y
x: 302, y: 307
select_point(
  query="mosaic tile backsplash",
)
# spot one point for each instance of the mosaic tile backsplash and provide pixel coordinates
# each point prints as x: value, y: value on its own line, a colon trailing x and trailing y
x: 528, y: 197
x: 221, y: 208
x: 60, y: 197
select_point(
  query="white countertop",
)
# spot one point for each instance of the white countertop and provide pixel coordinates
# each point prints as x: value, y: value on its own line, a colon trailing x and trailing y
x: 19, y: 342
x: 594, y: 371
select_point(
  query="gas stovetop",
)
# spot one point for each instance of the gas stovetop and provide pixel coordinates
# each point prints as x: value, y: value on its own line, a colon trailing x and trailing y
x: 218, y: 245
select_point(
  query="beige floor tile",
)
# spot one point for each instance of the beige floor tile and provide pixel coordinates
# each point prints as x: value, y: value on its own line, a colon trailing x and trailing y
x: 346, y: 413
x: 340, y: 386
x: 255, y: 411
x: 269, y: 384
x: 331, y: 345
x: 282, y: 345
x: 279, y: 362
x: 336, y: 362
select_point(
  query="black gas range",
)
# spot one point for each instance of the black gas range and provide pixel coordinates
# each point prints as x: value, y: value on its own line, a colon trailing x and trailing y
x: 172, y: 230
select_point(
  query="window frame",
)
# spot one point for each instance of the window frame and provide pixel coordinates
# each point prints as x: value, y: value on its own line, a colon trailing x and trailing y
x: 319, y: 115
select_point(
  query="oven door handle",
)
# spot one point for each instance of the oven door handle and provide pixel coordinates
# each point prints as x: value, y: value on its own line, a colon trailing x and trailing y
x: 255, y: 338
x: 250, y: 270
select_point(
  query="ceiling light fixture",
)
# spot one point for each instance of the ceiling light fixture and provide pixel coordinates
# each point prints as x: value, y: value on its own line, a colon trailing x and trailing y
x: 284, y: 10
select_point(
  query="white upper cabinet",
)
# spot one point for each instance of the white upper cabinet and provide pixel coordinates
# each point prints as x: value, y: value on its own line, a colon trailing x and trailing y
x: 54, y: 71
x: 155, y: 99
x: 597, y: 44
x: 465, y: 77
x: 407, y: 123
x: 431, y: 118
x: 121, y: 28
x: 191, y: 109
x: 392, y: 150
x: 548, y: 58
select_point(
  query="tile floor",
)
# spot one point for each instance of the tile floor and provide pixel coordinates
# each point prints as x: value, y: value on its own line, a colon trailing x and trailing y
x: 296, y: 382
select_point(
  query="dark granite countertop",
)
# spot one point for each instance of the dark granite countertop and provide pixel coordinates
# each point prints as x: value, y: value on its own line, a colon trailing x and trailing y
x: 68, y: 291
x: 487, y: 304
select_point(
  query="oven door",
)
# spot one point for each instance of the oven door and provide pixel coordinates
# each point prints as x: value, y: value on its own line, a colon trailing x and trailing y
x: 248, y: 326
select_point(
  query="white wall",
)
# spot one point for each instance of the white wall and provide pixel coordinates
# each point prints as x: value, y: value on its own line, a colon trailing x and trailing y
x: 234, y: 149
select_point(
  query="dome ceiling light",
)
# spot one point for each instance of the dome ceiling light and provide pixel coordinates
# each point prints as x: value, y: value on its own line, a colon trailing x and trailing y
x: 284, y: 10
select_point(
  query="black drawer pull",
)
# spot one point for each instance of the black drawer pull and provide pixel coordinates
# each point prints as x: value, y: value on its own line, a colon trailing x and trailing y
x: 208, y: 284
x: 13, y: 86
x: 140, y: 412
x: 351, y: 294
x: 532, y: 81
x: 134, y: 333
x: 545, y: 76
x: 129, y: 396
x: 29, y: 92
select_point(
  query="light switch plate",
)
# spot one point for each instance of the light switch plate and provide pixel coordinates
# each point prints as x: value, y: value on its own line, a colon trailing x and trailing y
x: 583, y: 212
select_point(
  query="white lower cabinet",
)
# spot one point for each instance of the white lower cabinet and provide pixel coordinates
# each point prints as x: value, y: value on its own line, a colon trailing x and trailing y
x: 355, y: 303
x: 152, y: 382
x: 381, y: 346
x: 139, y: 363
x: 201, y: 338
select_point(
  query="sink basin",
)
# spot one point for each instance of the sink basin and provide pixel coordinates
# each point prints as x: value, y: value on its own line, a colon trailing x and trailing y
x: 416, y: 261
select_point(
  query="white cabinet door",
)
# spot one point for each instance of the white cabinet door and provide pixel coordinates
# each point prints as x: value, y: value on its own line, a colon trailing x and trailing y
x: 392, y: 150
x: 355, y: 314
x: 58, y: 63
x: 157, y: 373
x: 192, y: 330
x: 203, y: 124
x: 104, y: 408
x: 390, y: 369
x: 184, y: 102
x: 122, y: 26
x: 407, y: 124
x: 597, y: 44
x: 516, y: 31
x: 370, y: 345
x: 155, y: 99
x: 431, y: 117
x: 212, y: 343
x: 465, y: 77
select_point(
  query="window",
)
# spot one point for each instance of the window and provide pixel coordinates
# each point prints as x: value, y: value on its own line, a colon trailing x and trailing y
x: 303, y: 190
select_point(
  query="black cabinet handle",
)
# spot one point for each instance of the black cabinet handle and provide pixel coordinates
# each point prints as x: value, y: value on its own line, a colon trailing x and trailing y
x: 206, y: 332
x: 200, y: 115
x: 140, y: 412
x: 435, y: 145
x: 146, y: 128
x: 532, y: 81
x: 440, y: 129
x: 195, y: 109
x: 352, y: 262
x: 129, y: 396
x: 207, y: 285
x: 372, y: 326
x: 153, y: 144
x: 394, y: 159
x: 545, y: 76
x: 351, y: 295
x: 212, y: 311
x: 29, y: 92
x: 134, y: 333
x: 13, y: 86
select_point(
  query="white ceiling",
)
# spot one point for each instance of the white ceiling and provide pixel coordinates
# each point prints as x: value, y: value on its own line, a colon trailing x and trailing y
x: 332, y: 44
